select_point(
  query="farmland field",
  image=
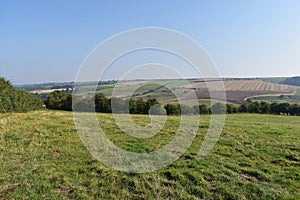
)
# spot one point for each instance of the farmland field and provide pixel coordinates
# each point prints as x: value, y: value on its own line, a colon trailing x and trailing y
x: 281, y: 98
x: 256, y: 157
x: 238, y: 90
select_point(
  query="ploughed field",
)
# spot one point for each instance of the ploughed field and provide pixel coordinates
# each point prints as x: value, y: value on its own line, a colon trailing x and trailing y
x: 238, y: 90
x: 256, y: 157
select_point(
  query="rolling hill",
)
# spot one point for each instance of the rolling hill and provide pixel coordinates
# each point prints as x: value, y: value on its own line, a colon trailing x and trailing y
x: 238, y: 90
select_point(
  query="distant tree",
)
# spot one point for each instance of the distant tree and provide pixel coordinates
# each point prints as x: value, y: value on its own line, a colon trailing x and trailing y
x: 254, y: 107
x: 265, y: 107
x: 274, y: 108
x: 58, y: 100
x: 118, y: 105
x: 230, y: 108
x: 243, y: 108
x: 294, y: 109
x: 280, y: 108
x: 157, y: 109
x: 196, y: 109
x: 101, y: 103
x: 283, y: 108
x: 84, y: 104
x: 141, y: 107
x: 132, y: 106
x: 149, y: 103
x: 204, y: 109
x: 154, y: 107
x: 186, y: 110
x: 172, y: 109
x: 218, y: 108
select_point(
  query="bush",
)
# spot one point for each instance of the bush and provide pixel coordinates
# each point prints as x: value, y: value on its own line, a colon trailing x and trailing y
x: 295, y: 109
x: 16, y: 100
x: 204, y: 109
x: 186, y: 110
x: 102, y: 104
x: 58, y: 100
x: 218, y: 108
x: 172, y: 109
x: 231, y: 108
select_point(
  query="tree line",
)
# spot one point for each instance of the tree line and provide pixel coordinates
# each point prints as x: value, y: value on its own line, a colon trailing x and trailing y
x: 63, y: 101
x: 17, y: 100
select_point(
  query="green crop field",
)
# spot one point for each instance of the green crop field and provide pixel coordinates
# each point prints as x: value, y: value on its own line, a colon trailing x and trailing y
x: 280, y: 98
x: 160, y: 89
x: 256, y: 157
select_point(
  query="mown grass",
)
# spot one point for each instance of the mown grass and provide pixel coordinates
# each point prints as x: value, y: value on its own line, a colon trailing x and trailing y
x: 256, y: 157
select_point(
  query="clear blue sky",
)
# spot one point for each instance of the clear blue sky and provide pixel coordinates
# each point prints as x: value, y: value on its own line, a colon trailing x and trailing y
x: 42, y: 41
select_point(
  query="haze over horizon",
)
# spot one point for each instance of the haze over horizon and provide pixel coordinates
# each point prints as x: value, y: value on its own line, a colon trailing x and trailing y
x: 47, y: 41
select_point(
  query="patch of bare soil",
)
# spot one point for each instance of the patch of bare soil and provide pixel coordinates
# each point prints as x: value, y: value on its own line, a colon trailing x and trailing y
x: 57, y: 154
x: 248, y: 178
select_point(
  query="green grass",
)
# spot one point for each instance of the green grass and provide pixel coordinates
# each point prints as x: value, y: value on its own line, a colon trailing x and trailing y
x: 284, y: 98
x: 256, y: 157
x: 159, y: 89
x: 274, y: 79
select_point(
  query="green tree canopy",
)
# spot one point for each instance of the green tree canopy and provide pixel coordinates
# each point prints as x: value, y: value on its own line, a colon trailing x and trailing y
x: 16, y: 100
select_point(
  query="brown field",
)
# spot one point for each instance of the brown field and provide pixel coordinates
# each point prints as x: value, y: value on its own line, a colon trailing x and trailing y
x: 238, y: 90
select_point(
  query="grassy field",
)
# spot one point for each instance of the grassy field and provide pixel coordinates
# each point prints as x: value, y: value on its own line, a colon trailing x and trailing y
x: 159, y: 89
x: 256, y: 157
x: 280, y: 98
x: 274, y: 79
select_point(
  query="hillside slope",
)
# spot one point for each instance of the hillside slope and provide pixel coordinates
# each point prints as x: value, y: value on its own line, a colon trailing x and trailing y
x: 256, y: 157
x: 292, y: 81
x: 238, y: 90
